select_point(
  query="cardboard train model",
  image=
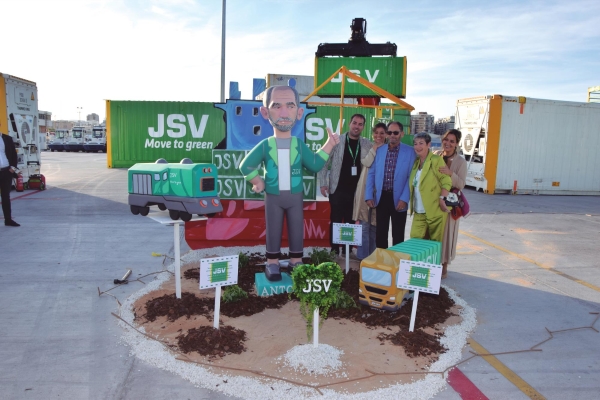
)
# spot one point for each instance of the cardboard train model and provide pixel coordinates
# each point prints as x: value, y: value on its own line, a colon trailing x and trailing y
x: 184, y: 189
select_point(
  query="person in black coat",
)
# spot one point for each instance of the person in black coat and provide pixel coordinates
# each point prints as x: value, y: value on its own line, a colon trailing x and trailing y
x: 8, y: 167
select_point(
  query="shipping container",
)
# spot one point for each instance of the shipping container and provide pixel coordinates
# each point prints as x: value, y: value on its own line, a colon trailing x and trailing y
x: 530, y: 146
x: 305, y: 84
x: 144, y: 131
x: 19, y: 119
x: 388, y: 73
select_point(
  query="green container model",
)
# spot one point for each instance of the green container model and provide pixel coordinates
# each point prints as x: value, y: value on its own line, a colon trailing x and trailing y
x: 422, y: 250
x: 415, y: 253
x: 436, y: 249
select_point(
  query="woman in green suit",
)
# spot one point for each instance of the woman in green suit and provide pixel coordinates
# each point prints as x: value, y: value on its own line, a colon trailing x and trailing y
x: 427, y: 202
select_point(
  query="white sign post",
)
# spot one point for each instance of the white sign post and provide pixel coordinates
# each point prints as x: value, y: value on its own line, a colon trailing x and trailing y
x: 217, y: 272
x: 420, y: 277
x: 164, y: 218
x: 348, y: 234
x: 316, y: 327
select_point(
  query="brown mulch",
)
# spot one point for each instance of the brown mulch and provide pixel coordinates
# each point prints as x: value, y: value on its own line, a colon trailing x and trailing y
x: 415, y: 344
x: 432, y: 310
x: 174, y: 308
x: 212, y: 342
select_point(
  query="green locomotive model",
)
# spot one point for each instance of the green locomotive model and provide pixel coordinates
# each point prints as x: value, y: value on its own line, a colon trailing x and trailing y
x: 184, y: 189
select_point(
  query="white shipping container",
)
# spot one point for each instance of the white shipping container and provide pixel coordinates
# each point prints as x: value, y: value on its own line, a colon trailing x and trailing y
x: 19, y: 119
x: 530, y: 146
x: 305, y: 84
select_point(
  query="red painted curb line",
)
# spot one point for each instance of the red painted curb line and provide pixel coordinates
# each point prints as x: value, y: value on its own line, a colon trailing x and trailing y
x: 463, y: 386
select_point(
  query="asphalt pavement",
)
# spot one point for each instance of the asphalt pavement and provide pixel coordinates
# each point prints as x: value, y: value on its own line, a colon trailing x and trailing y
x: 527, y: 264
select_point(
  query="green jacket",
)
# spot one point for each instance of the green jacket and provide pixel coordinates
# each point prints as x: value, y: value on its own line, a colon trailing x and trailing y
x: 430, y: 185
x: 300, y: 156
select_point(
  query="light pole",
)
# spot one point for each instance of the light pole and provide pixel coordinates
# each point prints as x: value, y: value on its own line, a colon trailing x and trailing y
x: 79, y: 112
x: 224, y: 7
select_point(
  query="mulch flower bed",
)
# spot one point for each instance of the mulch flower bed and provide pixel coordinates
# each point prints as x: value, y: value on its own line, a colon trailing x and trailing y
x: 207, y: 341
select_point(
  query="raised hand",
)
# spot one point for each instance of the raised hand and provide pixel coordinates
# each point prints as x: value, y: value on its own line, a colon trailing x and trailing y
x: 332, y: 140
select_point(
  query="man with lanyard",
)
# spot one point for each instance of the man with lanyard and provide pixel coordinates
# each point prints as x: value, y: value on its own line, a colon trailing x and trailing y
x: 339, y: 182
x: 389, y: 176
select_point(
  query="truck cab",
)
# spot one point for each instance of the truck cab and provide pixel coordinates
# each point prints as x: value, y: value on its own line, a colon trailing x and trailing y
x: 76, y: 141
x: 57, y: 143
x: 97, y: 140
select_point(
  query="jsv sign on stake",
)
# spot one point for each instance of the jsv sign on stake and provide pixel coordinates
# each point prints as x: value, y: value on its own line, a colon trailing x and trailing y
x: 421, y: 276
x: 218, y: 271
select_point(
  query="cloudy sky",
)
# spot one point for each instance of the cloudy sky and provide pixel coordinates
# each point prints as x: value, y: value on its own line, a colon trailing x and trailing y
x: 82, y: 52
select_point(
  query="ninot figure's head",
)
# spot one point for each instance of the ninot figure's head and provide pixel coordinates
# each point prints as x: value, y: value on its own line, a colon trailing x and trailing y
x: 280, y: 107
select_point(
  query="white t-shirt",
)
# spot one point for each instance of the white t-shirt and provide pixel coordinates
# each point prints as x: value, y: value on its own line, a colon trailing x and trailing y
x: 3, y: 159
x: 419, y: 207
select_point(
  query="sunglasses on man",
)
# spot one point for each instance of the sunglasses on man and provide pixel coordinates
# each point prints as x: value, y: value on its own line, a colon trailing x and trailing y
x: 395, y: 133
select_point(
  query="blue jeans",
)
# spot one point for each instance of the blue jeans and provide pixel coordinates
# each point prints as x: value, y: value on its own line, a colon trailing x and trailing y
x: 368, y: 240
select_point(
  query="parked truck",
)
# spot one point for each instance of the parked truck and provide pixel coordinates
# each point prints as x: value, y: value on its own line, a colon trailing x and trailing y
x: 19, y: 120
x: 97, y: 141
x: 530, y: 146
x: 57, y: 143
x: 76, y: 141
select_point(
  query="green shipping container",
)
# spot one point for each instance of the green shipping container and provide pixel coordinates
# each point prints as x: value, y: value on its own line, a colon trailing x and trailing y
x: 388, y: 73
x: 420, y: 250
x: 144, y: 131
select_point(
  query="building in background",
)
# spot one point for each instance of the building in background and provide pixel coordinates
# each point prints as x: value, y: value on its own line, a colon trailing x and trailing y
x: 594, y: 94
x: 421, y: 122
x: 443, y: 124
x: 44, y: 121
x: 93, y: 119
x: 62, y: 124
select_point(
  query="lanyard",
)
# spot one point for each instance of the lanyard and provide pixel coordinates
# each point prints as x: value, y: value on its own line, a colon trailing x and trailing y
x: 354, y: 155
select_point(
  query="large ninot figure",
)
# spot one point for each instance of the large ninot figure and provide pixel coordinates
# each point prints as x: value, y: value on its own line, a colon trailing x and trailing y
x: 284, y: 156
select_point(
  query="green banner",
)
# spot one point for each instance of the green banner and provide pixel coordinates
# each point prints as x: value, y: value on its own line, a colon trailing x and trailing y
x: 388, y: 73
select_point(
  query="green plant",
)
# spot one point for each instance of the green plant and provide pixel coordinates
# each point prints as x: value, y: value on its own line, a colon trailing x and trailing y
x: 319, y: 256
x: 234, y: 293
x: 344, y: 300
x: 316, y: 287
x: 244, y: 260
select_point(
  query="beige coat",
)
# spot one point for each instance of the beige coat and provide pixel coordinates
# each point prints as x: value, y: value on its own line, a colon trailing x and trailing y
x: 458, y: 166
x: 361, y: 209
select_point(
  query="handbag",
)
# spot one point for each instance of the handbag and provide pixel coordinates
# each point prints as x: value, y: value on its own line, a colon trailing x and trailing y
x: 462, y: 209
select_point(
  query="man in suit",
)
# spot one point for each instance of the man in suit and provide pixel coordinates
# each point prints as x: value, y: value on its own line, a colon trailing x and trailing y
x: 341, y: 180
x: 389, y: 175
x: 8, y: 166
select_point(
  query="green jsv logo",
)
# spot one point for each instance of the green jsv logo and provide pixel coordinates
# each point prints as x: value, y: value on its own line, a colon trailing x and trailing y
x: 419, y: 277
x: 218, y: 271
x: 347, y: 234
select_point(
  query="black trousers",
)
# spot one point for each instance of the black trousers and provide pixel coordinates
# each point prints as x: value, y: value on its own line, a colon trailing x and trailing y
x: 5, y: 186
x: 386, y: 210
x: 341, y: 205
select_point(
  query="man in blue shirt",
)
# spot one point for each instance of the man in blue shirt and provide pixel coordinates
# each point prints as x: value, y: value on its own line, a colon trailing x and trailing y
x: 389, y: 175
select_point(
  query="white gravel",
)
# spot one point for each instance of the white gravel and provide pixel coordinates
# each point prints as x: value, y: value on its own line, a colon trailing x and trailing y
x: 302, y: 358
x: 307, y: 359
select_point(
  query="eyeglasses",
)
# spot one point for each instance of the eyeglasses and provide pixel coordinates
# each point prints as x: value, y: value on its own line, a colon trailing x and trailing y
x: 395, y: 133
